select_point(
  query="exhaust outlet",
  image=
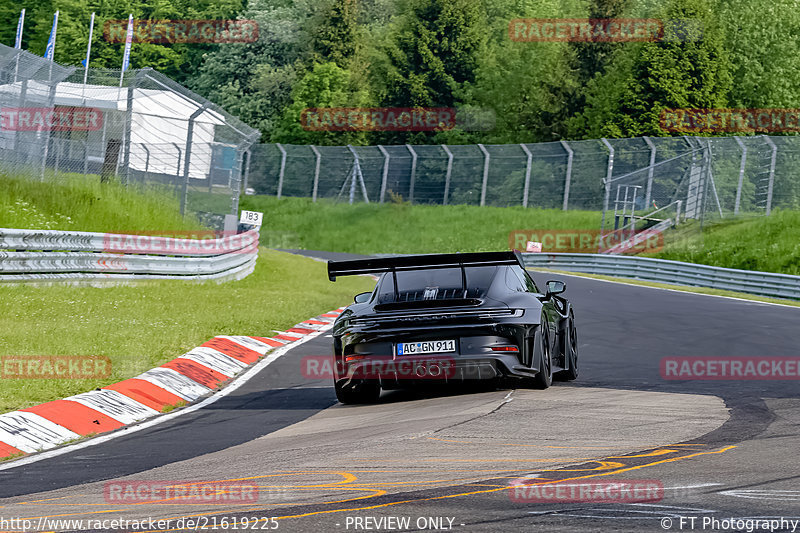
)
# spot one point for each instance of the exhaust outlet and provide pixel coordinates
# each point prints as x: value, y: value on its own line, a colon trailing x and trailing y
x: 434, y: 370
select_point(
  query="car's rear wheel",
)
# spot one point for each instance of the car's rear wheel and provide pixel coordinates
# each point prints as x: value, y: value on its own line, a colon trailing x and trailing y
x: 367, y: 391
x: 570, y: 351
x: 544, y: 378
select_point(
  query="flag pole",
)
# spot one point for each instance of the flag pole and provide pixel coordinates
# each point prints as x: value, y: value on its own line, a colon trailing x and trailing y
x: 126, y: 56
x: 88, y: 53
x: 18, y: 41
x: 50, y: 51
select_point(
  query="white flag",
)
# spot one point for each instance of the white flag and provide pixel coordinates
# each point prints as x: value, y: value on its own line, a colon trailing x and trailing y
x: 126, y: 57
x: 50, y: 51
x: 20, y: 23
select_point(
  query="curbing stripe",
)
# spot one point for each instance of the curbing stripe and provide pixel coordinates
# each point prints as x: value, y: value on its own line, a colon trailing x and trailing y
x: 30, y: 433
x: 114, y: 404
x: 186, y: 378
x: 233, y: 349
x: 75, y: 417
x: 8, y: 451
x: 146, y: 393
x: 173, y: 381
x: 217, y: 361
x: 200, y: 373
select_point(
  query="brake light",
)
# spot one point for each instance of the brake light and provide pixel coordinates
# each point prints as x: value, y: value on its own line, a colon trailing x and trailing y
x: 354, y: 358
x: 505, y: 349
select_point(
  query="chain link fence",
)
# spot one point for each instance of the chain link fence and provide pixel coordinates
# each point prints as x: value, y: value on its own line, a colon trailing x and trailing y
x: 710, y: 176
x: 142, y: 129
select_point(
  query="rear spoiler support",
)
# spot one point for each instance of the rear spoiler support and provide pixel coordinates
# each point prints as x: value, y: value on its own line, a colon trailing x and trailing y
x: 400, y: 263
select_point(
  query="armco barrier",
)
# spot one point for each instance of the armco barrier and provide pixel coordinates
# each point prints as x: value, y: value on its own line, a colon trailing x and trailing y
x: 673, y: 272
x: 80, y: 257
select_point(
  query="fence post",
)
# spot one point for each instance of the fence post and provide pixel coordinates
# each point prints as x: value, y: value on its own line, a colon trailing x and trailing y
x: 413, y: 173
x: 448, y: 174
x: 527, y: 184
x: 742, y: 164
x: 249, y: 155
x: 316, y: 173
x: 649, y: 190
x: 771, y: 172
x: 126, y: 157
x: 568, y: 178
x: 146, y: 162
x: 485, y: 173
x: 607, y: 182
x: 385, y: 175
x: 188, y: 155
x: 283, y: 169
x: 51, y: 98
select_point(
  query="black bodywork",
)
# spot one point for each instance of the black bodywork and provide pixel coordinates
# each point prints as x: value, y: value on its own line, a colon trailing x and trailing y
x: 503, y: 325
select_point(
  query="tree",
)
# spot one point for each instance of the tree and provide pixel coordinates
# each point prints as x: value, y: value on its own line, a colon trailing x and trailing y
x: 326, y: 86
x: 336, y: 35
x: 689, y: 68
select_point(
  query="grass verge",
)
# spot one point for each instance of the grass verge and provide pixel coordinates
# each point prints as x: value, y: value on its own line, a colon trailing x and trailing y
x: 144, y: 326
x: 402, y: 227
x: 84, y: 204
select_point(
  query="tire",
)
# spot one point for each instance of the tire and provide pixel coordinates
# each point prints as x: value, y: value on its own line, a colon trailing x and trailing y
x: 364, y: 392
x: 570, y: 351
x: 544, y: 378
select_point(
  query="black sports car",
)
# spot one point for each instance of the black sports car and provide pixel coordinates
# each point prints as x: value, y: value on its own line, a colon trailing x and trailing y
x: 450, y: 318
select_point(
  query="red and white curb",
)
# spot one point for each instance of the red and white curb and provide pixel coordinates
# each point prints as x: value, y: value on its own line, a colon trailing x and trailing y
x: 190, y: 377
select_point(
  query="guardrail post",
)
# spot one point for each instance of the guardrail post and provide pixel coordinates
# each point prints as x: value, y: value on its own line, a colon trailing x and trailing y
x: 568, y: 177
x: 742, y: 164
x: 448, y: 174
x: 316, y: 173
x: 771, y: 184
x: 283, y: 169
x: 385, y: 175
x: 413, y: 173
x: 649, y: 190
x: 527, y: 186
x: 485, y: 173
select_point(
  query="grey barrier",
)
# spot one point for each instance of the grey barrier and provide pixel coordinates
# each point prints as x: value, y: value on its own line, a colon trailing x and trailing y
x: 671, y: 272
x: 107, y: 258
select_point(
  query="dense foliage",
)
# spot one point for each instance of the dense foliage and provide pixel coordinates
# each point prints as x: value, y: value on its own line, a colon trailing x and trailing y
x: 459, y: 53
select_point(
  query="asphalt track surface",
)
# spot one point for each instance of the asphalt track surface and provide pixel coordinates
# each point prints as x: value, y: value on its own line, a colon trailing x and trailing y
x: 443, y: 460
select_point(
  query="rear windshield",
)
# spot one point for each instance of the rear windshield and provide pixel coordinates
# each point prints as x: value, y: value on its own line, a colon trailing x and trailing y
x: 435, y: 284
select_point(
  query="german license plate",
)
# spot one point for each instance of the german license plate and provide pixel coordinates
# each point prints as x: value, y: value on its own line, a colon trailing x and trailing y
x: 415, y: 348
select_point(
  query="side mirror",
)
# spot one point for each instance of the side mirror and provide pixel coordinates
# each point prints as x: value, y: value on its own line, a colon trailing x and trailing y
x: 362, y: 297
x: 555, y: 287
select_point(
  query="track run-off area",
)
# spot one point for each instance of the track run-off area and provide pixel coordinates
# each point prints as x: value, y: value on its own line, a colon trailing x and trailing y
x: 722, y: 454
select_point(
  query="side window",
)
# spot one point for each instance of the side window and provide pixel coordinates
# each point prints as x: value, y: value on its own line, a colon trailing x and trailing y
x: 513, y: 281
x: 525, y: 280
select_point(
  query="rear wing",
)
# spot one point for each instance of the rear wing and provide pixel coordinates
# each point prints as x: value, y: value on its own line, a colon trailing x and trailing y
x: 420, y: 262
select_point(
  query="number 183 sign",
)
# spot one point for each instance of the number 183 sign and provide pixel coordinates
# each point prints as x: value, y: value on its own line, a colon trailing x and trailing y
x: 254, y: 218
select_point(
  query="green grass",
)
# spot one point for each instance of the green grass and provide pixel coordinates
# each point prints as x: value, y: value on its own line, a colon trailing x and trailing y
x: 144, y: 326
x: 770, y: 244
x: 138, y: 327
x: 84, y: 204
x: 402, y: 228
